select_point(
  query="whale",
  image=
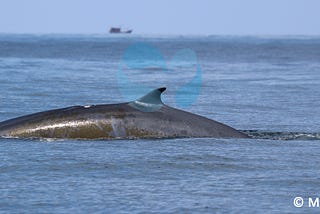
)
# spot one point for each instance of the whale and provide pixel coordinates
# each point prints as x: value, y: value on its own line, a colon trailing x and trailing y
x: 146, y: 117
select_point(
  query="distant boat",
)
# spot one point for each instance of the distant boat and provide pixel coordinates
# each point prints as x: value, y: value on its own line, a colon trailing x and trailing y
x: 118, y: 30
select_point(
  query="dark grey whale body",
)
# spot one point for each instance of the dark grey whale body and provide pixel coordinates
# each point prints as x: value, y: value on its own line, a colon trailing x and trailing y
x: 146, y: 117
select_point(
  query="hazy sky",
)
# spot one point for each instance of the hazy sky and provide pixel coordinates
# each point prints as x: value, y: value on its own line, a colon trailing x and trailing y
x: 162, y: 16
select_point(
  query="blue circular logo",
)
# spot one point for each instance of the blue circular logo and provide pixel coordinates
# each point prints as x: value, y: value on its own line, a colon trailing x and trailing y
x: 143, y: 68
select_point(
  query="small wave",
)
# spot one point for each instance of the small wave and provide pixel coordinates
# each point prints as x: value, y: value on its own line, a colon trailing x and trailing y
x: 257, y: 134
x: 150, y: 68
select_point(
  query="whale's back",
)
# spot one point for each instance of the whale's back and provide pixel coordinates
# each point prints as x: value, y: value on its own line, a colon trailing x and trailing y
x: 146, y: 117
x: 200, y: 126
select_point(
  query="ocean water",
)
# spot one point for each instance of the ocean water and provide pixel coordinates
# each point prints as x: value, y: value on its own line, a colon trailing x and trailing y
x: 266, y: 86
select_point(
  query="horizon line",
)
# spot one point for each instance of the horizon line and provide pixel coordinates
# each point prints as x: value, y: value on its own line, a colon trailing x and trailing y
x: 159, y: 34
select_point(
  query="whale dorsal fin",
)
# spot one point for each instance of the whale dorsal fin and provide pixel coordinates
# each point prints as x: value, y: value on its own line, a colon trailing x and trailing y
x: 149, y: 102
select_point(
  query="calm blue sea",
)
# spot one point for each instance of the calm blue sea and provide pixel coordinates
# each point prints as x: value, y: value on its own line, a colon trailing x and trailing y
x: 266, y: 86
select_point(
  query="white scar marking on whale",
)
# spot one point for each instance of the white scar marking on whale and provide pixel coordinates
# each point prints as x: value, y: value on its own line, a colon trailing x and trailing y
x: 118, y: 129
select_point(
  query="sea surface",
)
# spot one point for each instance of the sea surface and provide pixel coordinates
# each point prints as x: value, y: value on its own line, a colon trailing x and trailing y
x: 268, y: 87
